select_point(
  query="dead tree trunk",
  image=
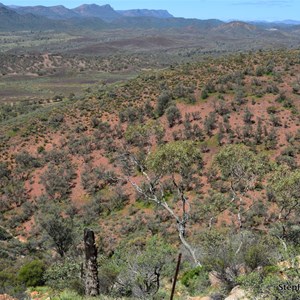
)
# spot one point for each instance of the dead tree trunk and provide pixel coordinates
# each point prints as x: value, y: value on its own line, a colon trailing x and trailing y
x: 91, y: 267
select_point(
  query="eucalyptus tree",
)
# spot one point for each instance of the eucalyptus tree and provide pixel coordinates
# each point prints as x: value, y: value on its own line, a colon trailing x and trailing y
x: 243, y: 169
x: 284, y: 188
x: 175, y: 165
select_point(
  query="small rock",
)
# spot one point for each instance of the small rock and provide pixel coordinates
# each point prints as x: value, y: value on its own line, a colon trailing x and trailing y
x: 214, y: 280
x: 237, y: 294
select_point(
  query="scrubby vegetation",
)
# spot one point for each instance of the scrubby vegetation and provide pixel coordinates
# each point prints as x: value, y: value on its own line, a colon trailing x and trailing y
x: 200, y: 158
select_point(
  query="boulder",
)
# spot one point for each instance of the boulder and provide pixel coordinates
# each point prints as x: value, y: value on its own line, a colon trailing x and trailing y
x: 237, y: 294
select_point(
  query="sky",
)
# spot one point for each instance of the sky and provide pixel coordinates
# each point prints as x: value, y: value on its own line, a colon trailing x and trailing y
x: 247, y: 10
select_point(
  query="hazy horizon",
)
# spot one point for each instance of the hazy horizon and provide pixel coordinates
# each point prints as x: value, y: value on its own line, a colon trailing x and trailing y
x: 247, y: 10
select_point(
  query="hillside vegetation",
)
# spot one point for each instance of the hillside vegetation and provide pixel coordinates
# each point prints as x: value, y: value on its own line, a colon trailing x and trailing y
x: 200, y: 158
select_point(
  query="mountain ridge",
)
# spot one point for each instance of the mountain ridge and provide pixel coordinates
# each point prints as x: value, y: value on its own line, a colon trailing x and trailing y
x: 58, y: 12
x: 11, y: 20
x: 104, y: 12
x: 96, y: 17
x: 107, y: 13
x: 157, y: 13
x: 92, y: 16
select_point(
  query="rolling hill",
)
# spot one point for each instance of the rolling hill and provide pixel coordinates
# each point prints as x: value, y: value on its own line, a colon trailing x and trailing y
x: 230, y: 124
x: 167, y: 137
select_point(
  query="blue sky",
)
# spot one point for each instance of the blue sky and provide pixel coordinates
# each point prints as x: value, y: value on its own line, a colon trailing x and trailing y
x: 269, y: 10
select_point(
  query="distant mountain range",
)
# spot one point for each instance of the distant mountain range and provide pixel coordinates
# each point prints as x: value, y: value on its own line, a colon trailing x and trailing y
x: 93, y: 16
x: 103, y: 12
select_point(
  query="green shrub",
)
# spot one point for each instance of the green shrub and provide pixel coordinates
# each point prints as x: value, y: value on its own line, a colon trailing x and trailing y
x: 9, y: 282
x: 163, y: 102
x: 255, y: 256
x: 141, y: 267
x: 260, y: 71
x: 64, y: 275
x: 210, y: 123
x: 56, y: 120
x: 271, y: 269
x: 173, y: 115
x: 40, y: 149
x: 252, y: 281
x: 204, y: 94
x: 57, y: 179
x: 4, y: 170
x: 4, y: 235
x: 32, y: 273
x: 26, y: 161
x: 196, y: 280
x: 247, y: 116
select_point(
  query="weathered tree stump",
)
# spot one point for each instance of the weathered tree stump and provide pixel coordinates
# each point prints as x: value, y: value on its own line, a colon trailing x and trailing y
x: 91, y: 267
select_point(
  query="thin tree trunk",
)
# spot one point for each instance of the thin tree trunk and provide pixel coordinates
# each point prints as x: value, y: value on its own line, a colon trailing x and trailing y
x: 91, y: 267
x: 188, y: 246
x: 180, y: 221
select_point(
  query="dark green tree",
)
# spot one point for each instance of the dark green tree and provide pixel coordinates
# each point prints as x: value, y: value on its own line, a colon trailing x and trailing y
x: 163, y: 102
x: 60, y: 229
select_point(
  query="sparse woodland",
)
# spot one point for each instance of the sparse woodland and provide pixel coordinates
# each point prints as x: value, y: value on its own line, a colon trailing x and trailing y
x: 200, y: 158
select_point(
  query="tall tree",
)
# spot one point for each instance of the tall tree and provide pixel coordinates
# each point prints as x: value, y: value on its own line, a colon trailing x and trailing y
x: 58, y: 228
x: 285, y: 186
x: 176, y: 162
x: 242, y: 169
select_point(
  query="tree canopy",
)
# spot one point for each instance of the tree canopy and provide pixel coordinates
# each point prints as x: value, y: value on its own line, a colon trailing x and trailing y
x: 285, y: 186
x: 175, y: 157
x: 241, y: 166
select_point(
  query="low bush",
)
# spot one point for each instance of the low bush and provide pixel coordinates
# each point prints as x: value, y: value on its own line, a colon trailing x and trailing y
x: 31, y: 274
x: 196, y: 280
